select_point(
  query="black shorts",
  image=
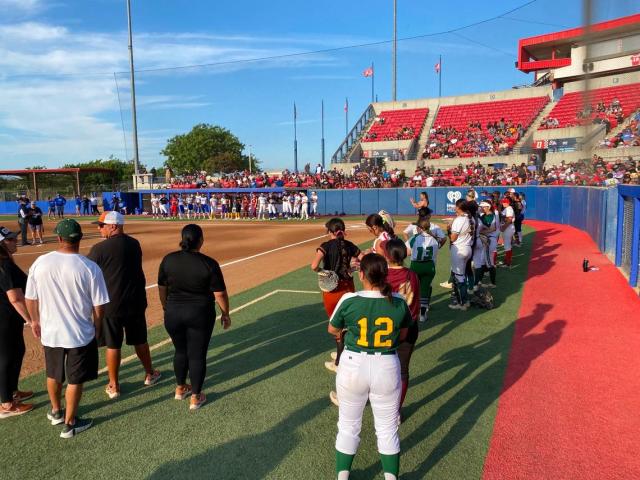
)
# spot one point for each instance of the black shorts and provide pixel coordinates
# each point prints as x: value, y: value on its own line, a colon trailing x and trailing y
x: 114, y: 329
x: 76, y: 365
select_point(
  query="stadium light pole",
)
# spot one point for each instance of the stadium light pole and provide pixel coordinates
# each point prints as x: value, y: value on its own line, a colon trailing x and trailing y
x: 249, y: 158
x: 394, y: 53
x: 322, y: 139
x: 134, y: 119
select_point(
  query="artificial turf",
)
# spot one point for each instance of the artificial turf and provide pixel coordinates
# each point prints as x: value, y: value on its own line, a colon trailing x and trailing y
x: 268, y: 414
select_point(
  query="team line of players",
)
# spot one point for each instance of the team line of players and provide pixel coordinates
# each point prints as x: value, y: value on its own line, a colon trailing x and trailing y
x: 245, y: 206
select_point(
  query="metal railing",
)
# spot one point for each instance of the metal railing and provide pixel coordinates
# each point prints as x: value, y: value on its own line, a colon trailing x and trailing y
x: 352, y: 138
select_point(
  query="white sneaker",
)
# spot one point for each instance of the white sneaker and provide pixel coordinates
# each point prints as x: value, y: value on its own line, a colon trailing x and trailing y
x: 331, y: 366
x: 112, y: 392
x: 333, y: 396
x: 446, y: 285
x: 423, y: 318
x: 334, y: 355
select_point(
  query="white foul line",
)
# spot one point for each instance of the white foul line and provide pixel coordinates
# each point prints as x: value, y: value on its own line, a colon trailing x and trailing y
x: 233, y: 262
x: 167, y: 341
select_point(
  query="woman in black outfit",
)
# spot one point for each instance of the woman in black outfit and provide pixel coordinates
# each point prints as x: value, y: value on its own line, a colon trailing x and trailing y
x: 188, y: 283
x: 13, y: 315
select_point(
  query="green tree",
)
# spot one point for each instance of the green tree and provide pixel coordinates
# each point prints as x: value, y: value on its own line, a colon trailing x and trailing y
x: 205, y: 147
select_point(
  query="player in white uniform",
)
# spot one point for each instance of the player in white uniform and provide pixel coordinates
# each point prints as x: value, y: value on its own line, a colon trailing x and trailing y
x: 304, y: 206
x: 486, y: 244
x: 203, y: 206
x: 381, y: 228
x: 285, y: 206
x: 155, y: 206
x: 376, y: 321
x: 297, y: 201
x: 271, y: 208
x: 213, y: 206
x: 508, y: 229
x: 262, y: 207
x: 461, y: 233
x: 314, y: 204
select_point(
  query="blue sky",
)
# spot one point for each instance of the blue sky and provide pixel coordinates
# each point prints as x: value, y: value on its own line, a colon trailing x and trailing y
x: 58, y: 96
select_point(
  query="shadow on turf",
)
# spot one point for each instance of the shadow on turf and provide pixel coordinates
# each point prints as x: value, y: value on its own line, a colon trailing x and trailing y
x: 272, y: 344
x: 241, y: 458
x: 480, y: 366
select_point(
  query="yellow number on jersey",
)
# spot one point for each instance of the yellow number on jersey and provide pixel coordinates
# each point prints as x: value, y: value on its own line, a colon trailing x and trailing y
x: 363, y: 323
x: 388, y: 330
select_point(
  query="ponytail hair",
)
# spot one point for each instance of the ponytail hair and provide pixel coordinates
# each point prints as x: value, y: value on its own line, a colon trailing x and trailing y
x: 376, y: 220
x: 191, y: 237
x: 396, y: 251
x: 375, y: 270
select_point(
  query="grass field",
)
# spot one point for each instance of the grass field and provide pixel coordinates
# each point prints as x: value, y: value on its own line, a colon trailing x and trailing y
x: 268, y: 414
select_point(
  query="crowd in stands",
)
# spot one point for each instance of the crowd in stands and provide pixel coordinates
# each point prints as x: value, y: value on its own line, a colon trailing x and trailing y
x: 494, y: 138
x: 609, y: 115
x: 629, y: 136
x: 597, y: 172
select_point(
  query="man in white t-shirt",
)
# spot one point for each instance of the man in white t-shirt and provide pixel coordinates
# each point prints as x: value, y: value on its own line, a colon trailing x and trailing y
x: 66, y: 294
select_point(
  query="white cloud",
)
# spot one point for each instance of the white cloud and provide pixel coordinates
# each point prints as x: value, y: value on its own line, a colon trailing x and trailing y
x: 26, y: 6
x: 69, y: 111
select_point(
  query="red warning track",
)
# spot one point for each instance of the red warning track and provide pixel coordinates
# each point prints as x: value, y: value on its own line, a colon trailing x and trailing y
x: 571, y: 398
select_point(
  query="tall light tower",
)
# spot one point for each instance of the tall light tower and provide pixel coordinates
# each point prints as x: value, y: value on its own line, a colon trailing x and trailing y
x: 394, y: 53
x: 134, y: 119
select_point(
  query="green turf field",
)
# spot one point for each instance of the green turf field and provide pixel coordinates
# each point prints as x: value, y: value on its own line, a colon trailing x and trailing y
x: 268, y: 414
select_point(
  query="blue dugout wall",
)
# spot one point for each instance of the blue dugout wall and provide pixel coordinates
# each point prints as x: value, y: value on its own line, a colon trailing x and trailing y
x: 594, y: 210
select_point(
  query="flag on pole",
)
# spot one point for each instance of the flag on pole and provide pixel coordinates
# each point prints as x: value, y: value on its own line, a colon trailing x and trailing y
x: 437, y: 68
x: 368, y: 72
x: 346, y: 104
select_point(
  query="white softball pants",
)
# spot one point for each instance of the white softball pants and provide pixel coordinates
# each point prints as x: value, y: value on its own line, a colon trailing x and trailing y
x: 507, y: 236
x: 376, y: 378
x: 459, y: 257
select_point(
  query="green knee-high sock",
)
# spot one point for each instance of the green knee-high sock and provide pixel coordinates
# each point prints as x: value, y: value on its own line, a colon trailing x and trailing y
x: 479, y: 274
x: 343, y: 463
x: 462, y: 291
x: 492, y: 274
x: 391, y: 464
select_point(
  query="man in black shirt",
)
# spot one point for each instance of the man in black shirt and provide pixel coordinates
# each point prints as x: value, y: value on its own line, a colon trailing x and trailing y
x: 119, y: 257
x: 23, y: 219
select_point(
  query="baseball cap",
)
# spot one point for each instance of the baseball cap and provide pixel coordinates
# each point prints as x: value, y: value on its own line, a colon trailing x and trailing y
x: 68, y: 229
x: 6, y: 233
x: 505, y: 200
x: 512, y: 190
x: 110, y: 218
x: 485, y: 204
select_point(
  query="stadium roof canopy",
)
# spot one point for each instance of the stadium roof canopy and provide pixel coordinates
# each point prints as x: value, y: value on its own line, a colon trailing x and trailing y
x: 552, y: 50
x: 34, y: 172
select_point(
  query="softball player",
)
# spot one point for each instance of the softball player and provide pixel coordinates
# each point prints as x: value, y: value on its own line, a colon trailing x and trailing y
x: 271, y: 208
x: 213, y: 202
x: 424, y: 247
x: 507, y: 229
x: 286, y: 212
x: 155, y: 206
x: 304, y: 206
x: 380, y: 228
x: 486, y: 244
x: 297, y: 202
x: 203, y: 206
x: 164, y: 201
x: 253, y: 206
x: 336, y: 255
x: 461, y: 237
x: 262, y: 207
x: 314, y: 204
x: 406, y: 283
x: 376, y: 321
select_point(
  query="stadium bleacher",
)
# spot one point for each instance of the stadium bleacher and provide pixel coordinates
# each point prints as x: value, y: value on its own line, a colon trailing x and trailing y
x: 482, y: 129
x: 519, y: 111
x: 567, y: 109
x: 397, y: 125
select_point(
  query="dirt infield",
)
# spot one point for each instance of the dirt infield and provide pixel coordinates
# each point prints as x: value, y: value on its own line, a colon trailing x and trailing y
x: 250, y: 253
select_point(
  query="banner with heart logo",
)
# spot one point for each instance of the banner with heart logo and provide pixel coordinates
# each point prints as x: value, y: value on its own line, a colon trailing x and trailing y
x: 453, y: 196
